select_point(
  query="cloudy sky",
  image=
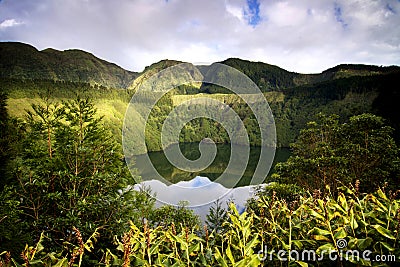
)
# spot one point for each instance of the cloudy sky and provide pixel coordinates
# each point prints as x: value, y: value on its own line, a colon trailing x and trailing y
x: 298, y: 35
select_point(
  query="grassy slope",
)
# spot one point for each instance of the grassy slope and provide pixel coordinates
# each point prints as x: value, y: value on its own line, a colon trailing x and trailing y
x: 113, y: 110
x: 226, y: 98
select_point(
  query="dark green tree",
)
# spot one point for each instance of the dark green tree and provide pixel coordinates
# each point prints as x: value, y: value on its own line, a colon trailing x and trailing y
x: 332, y: 153
x: 10, y: 223
x: 70, y: 173
x: 142, y: 205
x: 180, y: 216
x: 216, y: 216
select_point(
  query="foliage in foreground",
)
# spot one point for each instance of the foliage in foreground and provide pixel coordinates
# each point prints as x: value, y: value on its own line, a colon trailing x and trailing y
x: 255, y: 237
x: 65, y: 169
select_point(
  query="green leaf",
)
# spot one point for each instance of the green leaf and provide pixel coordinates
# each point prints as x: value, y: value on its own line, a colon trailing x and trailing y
x: 341, y: 233
x: 298, y: 243
x: 376, y: 201
x: 383, y: 231
x: 326, y: 248
x: 249, y: 246
x: 193, y: 248
x: 382, y: 195
x: 353, y: 221
x: 319, y: 231
x: 316, y: 215
x: 333, y: 215
x: 387, y: 246
x: 320, y: 204
x: 229, y: 255
x: 302, y: 263
x: 253, y: 261
x: 36, y: 262
x: 88, y: 247
x: 220, y: 259
x: 343, y: 202
x: 39, y: 246
x: 362, y: 244
x: 61, y: 263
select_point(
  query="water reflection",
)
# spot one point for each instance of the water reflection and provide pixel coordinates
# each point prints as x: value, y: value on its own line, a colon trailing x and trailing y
x: 199, y: 189
x: 201, y: 193
x: 219, y: 165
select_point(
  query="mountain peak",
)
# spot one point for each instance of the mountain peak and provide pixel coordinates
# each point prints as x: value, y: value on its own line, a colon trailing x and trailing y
x: 162, y: 64
x: 23, y: 61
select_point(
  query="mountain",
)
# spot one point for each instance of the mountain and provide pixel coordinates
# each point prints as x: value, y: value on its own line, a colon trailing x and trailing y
x: 267, y: 77
x: 273, y: 78
x: 22, y: 61
x: 294, y: 98
x: 151, y: 70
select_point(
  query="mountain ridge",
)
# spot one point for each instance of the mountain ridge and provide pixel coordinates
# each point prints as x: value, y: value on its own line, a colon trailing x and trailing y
x: 272, y: 77
x: 24, y: 61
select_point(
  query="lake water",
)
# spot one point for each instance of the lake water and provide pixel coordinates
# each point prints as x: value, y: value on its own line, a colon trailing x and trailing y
x: 199, y: 188
x: 218, y: 166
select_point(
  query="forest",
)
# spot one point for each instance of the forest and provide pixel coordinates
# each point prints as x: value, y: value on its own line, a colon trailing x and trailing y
x: 67, y: 198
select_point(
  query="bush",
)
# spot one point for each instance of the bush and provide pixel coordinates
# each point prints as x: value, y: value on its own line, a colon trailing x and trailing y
x: 343, y: 224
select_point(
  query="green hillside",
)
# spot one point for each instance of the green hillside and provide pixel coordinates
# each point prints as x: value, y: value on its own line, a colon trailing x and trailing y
x: 271, y: 78
x: 294, y: 98
x: 267, y: 77
x: 22, y: 61
x: 152, y: 70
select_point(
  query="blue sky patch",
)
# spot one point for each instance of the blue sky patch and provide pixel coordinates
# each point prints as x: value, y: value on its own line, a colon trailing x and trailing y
x: 252, y: 12
x: 390, y: 8
x: 339, y: 16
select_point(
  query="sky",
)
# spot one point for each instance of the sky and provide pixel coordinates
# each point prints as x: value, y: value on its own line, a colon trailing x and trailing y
x: 200, y: 193
x: 306, y: 36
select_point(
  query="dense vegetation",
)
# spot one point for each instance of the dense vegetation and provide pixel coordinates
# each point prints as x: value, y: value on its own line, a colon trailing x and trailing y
x: 65, y: 168
x: 330, y: 153
x: 309, y: 231
x: 65, y: 190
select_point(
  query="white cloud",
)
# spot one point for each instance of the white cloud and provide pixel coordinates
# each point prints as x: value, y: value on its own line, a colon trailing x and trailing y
x: 235, y: 8
x: 9, y: 23
x: 200, y: 193
x: 283, y: 14
x: 301, y: 35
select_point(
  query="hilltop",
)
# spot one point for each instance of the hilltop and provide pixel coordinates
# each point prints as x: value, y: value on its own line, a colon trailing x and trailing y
x: 272, y: 78
x: 23, y: 61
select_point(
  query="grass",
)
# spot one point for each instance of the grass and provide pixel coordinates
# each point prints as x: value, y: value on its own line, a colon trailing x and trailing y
x: 227, y: 98
x: 113, y: 110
